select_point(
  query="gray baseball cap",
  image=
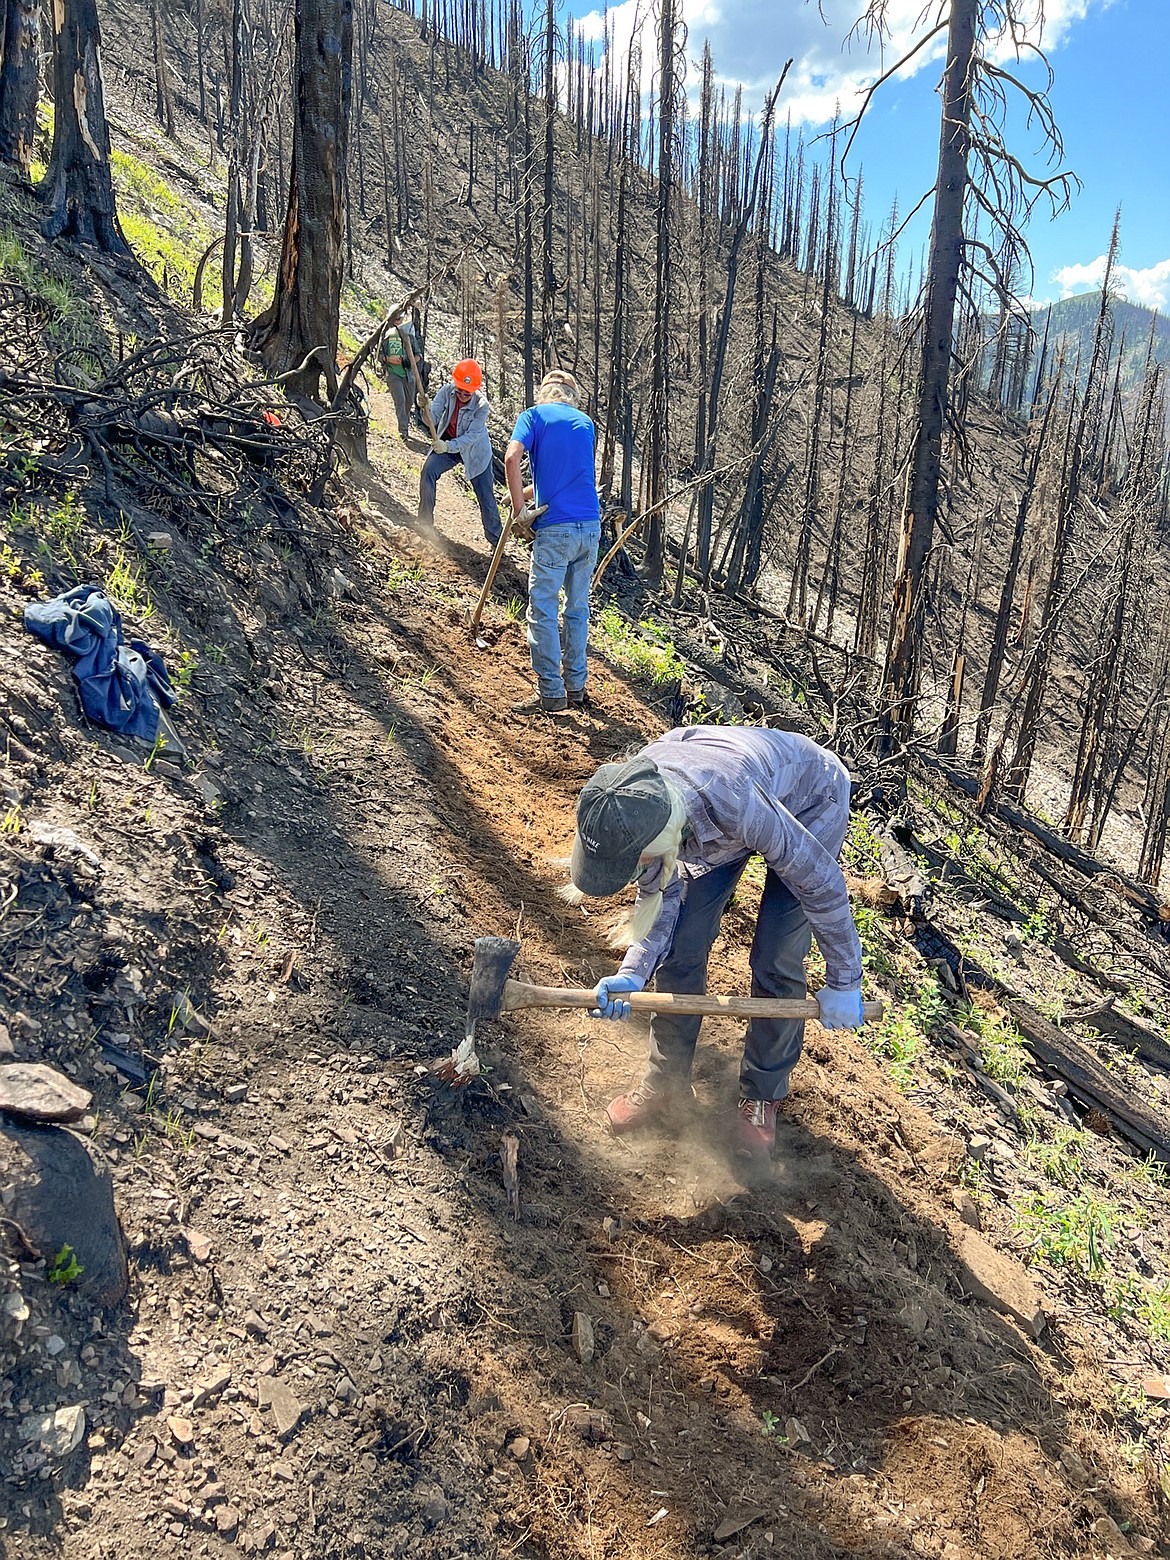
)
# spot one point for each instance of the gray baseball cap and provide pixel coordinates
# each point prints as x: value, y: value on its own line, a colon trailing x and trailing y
x: 619, y: 812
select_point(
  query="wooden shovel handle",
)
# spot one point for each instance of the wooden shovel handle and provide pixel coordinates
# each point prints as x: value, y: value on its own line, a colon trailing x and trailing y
x: 419, y: 399
x: 517, y: 994
x: 493, y: 567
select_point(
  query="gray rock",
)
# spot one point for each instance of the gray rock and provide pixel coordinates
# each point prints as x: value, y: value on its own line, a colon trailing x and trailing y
x: 59, y: 838
x: 735, y: 1521
x: 999, y: 1281
x: 211, y: 1388
x: 33, y: 1092
x: 59, y: 1432
x: 286, y: 1410
x: 432, y: 1504
x: 968, y: 1210
x: 583, y: 1339
x: 227, y: 1521
x: 59, y: 1199
x: 978, y: 1146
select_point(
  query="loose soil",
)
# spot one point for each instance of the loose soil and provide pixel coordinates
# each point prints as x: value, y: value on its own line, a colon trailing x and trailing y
x: 794, y: 1367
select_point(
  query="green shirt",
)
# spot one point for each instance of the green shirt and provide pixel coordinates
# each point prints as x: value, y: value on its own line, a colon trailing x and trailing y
x: 394, y: 359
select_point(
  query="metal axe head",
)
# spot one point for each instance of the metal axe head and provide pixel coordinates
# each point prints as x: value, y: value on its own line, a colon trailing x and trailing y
x: 494, y: 958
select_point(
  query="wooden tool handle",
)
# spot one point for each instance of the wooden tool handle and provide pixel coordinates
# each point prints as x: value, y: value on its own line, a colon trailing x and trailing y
x: 497, y: 559
x: 419, y: 398
x: 518, y: 994
x: 489, y: 581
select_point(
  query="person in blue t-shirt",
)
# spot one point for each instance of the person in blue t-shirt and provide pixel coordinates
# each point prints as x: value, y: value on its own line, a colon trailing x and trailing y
x: 560, y: 442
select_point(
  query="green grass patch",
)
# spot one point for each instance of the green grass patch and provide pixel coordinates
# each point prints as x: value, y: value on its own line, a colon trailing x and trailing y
x: 1059, y: 1158
x: 1076, y: 1234
x: 72, y: 322
x: 164, y: 230
x: 902, y: 1036
x: 862, y: 854
x: 1004, y: 1055
x: 644, y: 649
x: 126, y: 586
x: 899, y: 1041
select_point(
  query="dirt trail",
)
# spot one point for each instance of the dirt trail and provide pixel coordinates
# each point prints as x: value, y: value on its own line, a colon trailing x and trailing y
x: 831, y: 1295
x: 800, y: 1356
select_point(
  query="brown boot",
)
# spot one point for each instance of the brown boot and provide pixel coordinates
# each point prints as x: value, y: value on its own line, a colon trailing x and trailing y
x: 644, y: 1106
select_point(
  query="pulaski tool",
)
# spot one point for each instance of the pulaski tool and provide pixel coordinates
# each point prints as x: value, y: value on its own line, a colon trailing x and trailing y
x: 493, y: 568
x: 492, y: 992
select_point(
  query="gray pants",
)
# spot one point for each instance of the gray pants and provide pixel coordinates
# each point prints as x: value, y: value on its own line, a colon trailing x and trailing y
x: 779, y: 948
x: 402, y: 394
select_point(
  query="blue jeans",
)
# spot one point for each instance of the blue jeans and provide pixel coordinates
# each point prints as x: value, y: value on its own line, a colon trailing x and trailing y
x: 783, y: 938
x: 437, y: 466
x: 563, y: 557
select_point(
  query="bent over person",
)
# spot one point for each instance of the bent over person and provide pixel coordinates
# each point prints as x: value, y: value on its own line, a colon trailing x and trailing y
x: 560, y: 441
x: 459, y: 413
x: 681, y: 820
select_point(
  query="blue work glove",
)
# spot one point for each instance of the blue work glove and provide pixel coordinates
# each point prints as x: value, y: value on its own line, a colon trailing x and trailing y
x: 840, y: 1009
x: 609, y: 995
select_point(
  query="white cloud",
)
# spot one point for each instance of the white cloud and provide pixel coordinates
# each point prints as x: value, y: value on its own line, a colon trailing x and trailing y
x: 834, y: 61
x: 1150, y: 287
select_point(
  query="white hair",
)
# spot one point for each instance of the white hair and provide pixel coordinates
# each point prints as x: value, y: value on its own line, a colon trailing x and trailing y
x: 636, y: 924
x: 558, y: 385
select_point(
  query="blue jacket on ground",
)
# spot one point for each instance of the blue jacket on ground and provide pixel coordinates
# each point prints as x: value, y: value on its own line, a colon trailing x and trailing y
x: 121, y: 685
x: 561, y: 443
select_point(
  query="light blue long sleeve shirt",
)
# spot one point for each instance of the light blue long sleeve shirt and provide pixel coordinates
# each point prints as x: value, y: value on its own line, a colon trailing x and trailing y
x: 472, y: 443
x: 748, y: 789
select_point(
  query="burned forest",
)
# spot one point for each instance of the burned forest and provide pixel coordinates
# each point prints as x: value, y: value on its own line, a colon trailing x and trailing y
x: 513, y: 557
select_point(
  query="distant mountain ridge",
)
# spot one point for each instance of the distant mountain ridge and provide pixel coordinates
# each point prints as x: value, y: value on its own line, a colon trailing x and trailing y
x: 1072, y: 322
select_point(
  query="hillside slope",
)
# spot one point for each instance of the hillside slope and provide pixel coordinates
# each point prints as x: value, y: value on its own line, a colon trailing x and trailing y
x: 338, y: 1341
x: 469, y: 251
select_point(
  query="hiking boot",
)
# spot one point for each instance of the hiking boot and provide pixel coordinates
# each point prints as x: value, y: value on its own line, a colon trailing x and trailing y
x: 643, y: 1106
x: 578, y: 699
x: 754, y: 1130
x: 541, y: 706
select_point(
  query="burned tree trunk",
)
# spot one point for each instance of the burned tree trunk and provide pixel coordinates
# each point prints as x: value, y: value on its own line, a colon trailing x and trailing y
x: 659, y: 443
x: 1036, y: 680
x: 548, y: 280
x: 19, y: 81
x: 999, y: 638
x: 303, y: 316
x: 79, y: 186
x: 164, y: 98
x: 908, y: 612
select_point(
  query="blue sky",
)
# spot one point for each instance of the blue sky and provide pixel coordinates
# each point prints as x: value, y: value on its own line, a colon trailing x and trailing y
x: 1109, y: 59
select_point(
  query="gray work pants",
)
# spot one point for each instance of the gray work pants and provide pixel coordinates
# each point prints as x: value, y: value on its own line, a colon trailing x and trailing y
x: 402, y: 394
x: 781, y: 944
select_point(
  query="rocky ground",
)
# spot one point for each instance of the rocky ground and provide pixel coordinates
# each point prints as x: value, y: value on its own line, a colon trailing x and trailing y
x: 338, y: 1339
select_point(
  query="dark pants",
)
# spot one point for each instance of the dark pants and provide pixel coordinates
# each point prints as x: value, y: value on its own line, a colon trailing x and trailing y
x: 435, y: 467
x: 779, y: 948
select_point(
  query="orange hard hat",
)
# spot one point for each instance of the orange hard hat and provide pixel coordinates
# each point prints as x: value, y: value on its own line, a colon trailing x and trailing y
x: 467, y: 375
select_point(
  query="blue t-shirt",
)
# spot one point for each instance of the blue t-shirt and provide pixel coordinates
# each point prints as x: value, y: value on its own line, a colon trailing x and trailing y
x: 560, y: 441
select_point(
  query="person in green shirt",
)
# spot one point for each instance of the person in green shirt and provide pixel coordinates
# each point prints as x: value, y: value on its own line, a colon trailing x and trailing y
x: 396, y: 372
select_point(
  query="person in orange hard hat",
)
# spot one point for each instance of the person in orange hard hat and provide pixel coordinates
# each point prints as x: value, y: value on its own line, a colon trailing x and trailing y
x: 459, y: 413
